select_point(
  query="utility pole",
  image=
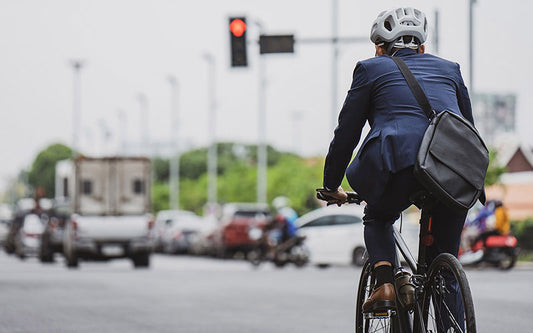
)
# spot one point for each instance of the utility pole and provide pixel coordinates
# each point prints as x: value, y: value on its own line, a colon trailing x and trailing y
x: 471, y: 46
x: 334, y: 62
x: 143, y: 103
x: 122, y: 129
x: 262, y: 154
x: 285, y: 44
x: 211, y: 129
x: 436, y: 32
x: 174, y: 182
x: 296, y: 126
x: 76, y: 107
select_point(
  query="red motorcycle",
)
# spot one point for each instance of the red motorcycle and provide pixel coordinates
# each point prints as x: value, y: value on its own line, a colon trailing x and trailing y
x: 498, y: 250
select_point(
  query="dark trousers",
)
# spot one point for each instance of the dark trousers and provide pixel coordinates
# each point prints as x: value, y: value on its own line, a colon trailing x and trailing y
x: 447, y: 224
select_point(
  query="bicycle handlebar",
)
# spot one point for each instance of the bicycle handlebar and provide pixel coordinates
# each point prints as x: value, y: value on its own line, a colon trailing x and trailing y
x: 353, y: 197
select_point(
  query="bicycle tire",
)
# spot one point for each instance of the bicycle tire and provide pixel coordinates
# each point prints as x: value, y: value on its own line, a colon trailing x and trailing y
x: 385, y: 324
x: 447, y: 285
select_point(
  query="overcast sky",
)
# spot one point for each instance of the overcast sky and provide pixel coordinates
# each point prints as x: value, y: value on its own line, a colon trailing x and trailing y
x: 132, y: 46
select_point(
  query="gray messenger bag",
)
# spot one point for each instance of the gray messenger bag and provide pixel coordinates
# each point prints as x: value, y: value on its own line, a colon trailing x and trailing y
x: 452, y: 159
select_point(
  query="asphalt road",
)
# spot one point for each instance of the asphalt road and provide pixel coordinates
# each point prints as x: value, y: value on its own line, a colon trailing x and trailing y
x: 189, y: 294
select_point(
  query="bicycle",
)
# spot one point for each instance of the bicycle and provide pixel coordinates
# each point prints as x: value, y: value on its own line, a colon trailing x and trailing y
x: 423, y: 295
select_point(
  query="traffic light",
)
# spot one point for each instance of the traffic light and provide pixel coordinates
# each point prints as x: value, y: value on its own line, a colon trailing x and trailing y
x: 237, y: 31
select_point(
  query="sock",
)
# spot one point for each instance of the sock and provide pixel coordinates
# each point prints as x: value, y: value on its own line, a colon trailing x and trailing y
x: 383, y: 274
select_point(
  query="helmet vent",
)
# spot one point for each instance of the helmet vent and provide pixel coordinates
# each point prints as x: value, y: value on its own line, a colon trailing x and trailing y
x: 389, y: 23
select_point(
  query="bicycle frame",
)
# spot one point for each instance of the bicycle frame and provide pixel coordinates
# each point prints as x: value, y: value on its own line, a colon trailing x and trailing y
x: 418, y: 268
x: 411, y: 312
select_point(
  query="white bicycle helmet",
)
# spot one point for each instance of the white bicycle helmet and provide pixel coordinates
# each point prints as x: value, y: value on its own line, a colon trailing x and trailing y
x: 393, y: 24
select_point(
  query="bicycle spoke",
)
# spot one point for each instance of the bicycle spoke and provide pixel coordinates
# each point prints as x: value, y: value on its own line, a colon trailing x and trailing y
x: 371, y: 322
x: 439, y: 316
x: 448, y: 306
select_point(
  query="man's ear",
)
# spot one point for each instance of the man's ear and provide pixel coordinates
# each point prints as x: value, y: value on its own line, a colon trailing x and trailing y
x: 380, y: 51
x: 422, y: 49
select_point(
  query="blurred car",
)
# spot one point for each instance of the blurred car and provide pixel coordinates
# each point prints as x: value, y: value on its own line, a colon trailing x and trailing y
x: 6, y: 217
x: 53, y: 232
x: 334, y: 235
x: 5, y: 225
x: 28, y: 237
x: 179, y: 233
x: 232, y: 235
x: 23, y: 207
x: 201, y: 242
x: 163, y: 221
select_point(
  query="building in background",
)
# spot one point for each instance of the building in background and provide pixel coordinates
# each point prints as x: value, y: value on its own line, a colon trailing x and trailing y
x: 495, y: 115
x: 516, y: 187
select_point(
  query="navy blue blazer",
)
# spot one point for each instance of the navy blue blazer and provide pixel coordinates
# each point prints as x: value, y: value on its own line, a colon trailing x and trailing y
x: 379, y: 94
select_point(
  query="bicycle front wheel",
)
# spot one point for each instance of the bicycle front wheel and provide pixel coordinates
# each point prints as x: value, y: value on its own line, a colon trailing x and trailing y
x: 447, y: 301
x: 371, y: 322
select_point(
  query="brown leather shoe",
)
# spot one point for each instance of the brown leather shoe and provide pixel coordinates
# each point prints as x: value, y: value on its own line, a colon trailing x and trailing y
x: 382, y: 298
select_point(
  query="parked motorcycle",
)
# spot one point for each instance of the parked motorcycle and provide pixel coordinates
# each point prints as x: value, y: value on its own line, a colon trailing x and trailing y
x: 498, y: 250
x: 292, y: 250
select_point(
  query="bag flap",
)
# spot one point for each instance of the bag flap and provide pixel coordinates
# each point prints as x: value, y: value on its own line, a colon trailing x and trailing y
x: 457, y: 144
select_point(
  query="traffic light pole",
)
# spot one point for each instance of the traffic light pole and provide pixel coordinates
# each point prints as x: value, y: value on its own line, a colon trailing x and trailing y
x: 470, y: 45
x: 334, y: 63
x: 262, y: 154
x: 76, y: 108
x: 212, y: 152
x: 174, y: 183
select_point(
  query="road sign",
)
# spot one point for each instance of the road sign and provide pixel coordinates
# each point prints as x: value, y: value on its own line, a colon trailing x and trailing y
x: 276, y: 44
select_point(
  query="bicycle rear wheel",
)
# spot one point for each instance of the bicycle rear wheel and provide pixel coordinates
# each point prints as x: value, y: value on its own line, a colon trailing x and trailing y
x: 447, y: 301
x: 373, y: 322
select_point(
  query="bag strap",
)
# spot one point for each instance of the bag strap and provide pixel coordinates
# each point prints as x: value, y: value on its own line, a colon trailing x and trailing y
x: 415, y: 87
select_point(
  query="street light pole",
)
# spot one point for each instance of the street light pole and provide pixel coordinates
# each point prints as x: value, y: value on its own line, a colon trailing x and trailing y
x: 262, y: 153
x: 122, y: 129
x: 76, y: 107
x: 143, y: 103
x: 296, y: 125
x: 436, y: 32
x: 471, y: 46
x: 175, y: 155
x: 334, y: 62
x: 212, y: 152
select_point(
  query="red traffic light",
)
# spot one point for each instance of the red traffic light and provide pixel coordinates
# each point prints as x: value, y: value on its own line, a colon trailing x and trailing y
x: 237, y: 27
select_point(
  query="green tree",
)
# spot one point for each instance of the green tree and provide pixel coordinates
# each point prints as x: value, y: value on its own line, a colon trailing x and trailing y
x: 288, y: 175
x: 494, y: 170
x: 160, y: 197
x: 161, y: 168
x: 296, y: 179
x: 193, y: 194
x: 193, y: 164
x: 42, y: 172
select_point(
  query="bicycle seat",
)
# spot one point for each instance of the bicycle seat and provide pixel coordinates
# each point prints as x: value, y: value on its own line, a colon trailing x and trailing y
x: 422, y: 199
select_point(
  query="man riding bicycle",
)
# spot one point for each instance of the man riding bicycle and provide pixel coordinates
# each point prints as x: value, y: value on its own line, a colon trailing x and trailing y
x: 382, y: 171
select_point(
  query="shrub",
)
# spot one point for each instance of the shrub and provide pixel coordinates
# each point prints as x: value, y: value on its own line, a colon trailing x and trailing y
x: 523, y: 231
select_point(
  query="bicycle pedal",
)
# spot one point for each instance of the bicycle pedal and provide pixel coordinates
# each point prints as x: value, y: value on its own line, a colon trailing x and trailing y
x: 379, y: 315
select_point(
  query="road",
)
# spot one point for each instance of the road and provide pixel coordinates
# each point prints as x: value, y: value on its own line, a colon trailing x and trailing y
x: 190, y: 294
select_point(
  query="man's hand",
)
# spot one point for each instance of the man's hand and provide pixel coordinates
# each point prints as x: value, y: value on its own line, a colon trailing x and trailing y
x: 340, y: 197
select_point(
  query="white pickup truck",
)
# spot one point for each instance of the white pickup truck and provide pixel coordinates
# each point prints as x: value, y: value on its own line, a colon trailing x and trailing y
x: 110, y: 200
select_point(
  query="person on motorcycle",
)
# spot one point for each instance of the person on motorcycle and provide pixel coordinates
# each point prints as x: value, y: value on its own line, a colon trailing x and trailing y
x: 279, y: 229
x: 502, y: 225
x: 285, y: 217
x: 499, y: 223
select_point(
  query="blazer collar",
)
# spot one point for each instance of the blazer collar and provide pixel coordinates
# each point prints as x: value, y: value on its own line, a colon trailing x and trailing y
x: 404, y: 52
